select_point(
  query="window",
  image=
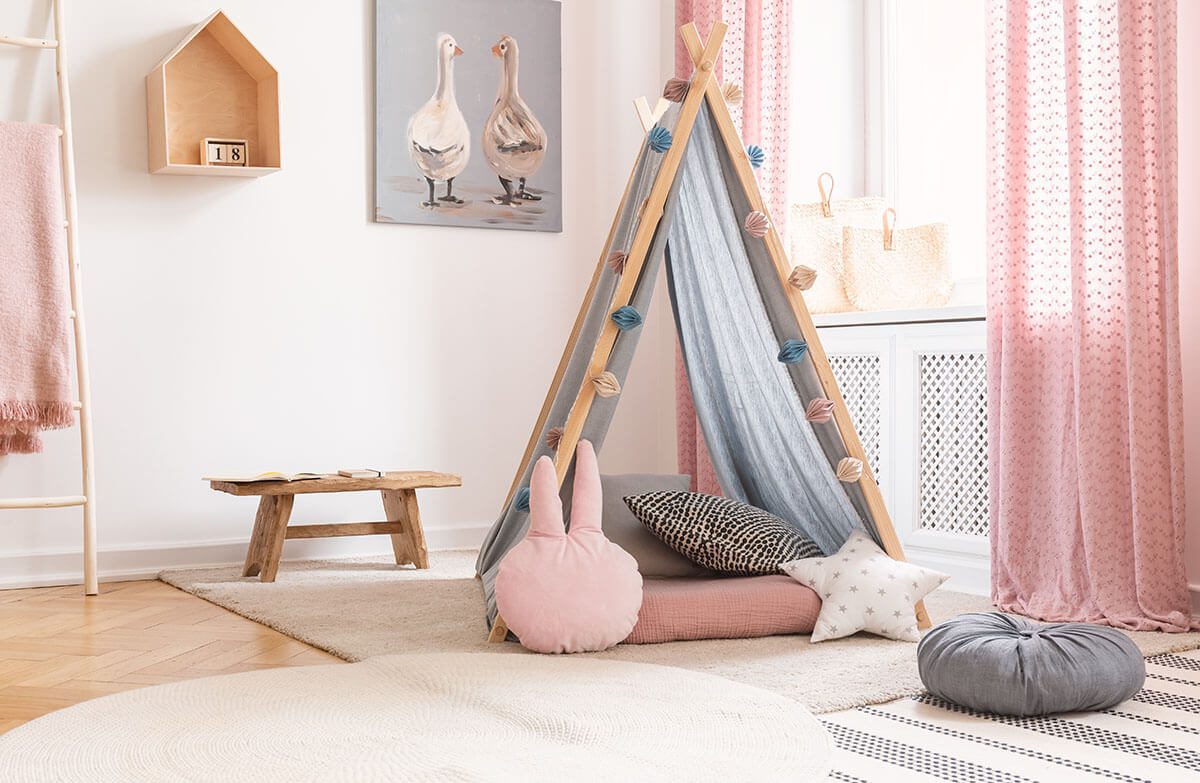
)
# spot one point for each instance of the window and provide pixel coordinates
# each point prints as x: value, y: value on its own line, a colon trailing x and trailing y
x: 890, y: 96
x: 932, y: 59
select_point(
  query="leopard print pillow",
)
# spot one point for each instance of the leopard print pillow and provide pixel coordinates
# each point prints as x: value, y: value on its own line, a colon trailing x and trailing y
x: 721, y: 534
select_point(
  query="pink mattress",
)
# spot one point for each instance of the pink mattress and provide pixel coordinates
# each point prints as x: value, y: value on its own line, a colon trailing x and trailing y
x: 732, y: 608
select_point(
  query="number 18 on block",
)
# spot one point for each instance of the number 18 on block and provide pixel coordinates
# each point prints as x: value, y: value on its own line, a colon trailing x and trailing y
x: 224, y: 152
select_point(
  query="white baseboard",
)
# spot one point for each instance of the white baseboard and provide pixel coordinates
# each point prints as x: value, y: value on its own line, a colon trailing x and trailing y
x: 968, y: 573
x: 972, y: 574
x: 52, y: 568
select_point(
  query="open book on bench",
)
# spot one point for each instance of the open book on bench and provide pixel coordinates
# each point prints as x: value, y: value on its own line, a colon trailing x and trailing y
x: 268, y: 476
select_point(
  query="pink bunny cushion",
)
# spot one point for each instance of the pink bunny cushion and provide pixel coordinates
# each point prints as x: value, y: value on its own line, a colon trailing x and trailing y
x: 563, y: 592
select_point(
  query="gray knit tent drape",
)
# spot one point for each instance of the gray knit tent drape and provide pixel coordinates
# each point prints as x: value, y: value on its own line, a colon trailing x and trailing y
x: 732, y: 315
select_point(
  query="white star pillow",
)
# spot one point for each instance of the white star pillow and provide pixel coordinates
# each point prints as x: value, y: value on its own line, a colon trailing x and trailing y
x: 862, y: 589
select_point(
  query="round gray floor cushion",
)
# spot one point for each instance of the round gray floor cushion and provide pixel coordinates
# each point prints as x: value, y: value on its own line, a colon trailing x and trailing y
x: 993, y: 662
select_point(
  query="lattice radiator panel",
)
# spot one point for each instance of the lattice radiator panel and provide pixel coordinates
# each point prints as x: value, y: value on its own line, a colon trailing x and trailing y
x: 952, y: 431
x: 860, y: 377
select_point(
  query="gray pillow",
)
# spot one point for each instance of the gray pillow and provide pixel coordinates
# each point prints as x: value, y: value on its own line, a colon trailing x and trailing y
x: 654, y: 558
x: 994, y: 662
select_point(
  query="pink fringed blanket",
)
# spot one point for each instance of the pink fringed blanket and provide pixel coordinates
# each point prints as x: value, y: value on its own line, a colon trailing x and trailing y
x: 35, y: 372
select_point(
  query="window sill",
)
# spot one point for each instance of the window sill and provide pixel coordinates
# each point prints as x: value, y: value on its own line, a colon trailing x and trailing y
x: 950, y: 313
x: 966, y: 304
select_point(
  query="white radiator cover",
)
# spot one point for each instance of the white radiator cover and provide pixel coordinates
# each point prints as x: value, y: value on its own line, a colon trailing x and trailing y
x: 917, y: 392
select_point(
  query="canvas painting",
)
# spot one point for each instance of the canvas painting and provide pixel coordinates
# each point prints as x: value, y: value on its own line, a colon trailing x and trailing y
x: 468, y: 113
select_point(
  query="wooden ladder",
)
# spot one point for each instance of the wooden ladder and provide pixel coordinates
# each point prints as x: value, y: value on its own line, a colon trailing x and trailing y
x: 84, y: 404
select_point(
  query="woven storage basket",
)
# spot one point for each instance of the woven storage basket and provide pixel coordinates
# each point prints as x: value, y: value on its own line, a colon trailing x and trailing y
x: 815, y: 234
x: 895, y: 269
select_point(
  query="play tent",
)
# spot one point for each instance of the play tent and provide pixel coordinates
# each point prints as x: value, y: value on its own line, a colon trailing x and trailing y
x: 776, y: 426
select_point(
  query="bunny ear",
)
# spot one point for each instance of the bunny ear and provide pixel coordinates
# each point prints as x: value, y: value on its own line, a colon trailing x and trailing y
x: 545, y: 507
x: 587, y: 500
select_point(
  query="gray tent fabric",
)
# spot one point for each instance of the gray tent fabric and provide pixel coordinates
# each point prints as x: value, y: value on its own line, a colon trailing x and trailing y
x: 750, y: 408
x: 731, y: 315
x: 783, y: 322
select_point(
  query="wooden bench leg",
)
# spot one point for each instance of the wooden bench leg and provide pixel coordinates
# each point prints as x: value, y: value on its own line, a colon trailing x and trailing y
x: 400, y: 505
x: 254, y: 551
x: 266, y: 543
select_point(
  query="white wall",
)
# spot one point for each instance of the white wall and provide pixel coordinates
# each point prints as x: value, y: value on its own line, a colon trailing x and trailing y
x: 451, y: 334
x: 267, y: 324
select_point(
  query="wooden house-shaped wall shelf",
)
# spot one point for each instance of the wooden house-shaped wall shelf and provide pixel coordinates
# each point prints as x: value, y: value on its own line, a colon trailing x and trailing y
x: 214, y: 84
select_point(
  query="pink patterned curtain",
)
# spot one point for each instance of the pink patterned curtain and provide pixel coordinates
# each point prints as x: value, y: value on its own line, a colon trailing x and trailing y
x: 755, y: 55
x: 1085, y: 393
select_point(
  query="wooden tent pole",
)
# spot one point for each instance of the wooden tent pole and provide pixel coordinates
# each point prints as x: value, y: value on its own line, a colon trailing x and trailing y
x: 555, y: 383
x: 648, y: 218
x: 651, y: 214
x: 499, y: 630
x: 572, y: 339
x: 845, y: 425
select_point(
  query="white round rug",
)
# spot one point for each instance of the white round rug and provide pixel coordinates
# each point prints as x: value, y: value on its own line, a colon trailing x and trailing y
x: 457, y: 717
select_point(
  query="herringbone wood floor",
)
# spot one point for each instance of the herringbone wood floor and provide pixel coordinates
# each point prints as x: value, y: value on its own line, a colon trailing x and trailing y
x: 58, y: 648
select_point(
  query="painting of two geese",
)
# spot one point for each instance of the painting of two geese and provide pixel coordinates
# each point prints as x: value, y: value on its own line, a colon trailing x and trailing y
x: 468, y: 113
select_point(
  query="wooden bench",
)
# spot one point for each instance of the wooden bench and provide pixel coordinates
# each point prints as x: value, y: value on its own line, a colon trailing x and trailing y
x: 398, y: 489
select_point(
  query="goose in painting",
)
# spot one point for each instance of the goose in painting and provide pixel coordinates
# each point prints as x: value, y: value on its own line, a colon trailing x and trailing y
x: 514, y: 142
x: 439, y: 141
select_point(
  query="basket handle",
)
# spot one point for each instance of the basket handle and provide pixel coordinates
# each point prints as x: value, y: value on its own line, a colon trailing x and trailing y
x: 889, y: 227
x: 826, y: 211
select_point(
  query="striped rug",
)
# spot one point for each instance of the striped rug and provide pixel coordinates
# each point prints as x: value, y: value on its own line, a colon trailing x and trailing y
x: 1155, y: 736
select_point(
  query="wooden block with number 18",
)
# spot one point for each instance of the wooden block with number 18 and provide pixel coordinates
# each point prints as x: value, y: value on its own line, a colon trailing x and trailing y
x: 224, y: 152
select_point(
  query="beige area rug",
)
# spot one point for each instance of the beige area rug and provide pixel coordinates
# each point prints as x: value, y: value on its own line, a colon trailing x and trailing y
x: 463, y: 717
x: 357, y: 609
